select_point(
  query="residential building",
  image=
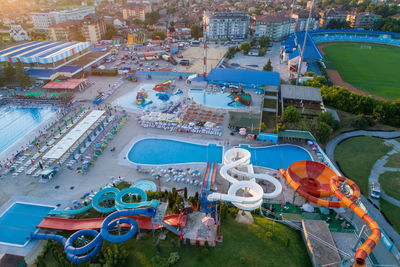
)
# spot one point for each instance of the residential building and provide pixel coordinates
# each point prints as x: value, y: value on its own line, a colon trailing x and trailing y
x: 17, y: 33
x: 135, y: 11
x: 66, y: 31
x: 42, y: 20
x: 93, y: 28
x: 301, y: 20
x: 331, y: 14
x: 363, y: 20
x: 275, y: 26
x: 226, y: 25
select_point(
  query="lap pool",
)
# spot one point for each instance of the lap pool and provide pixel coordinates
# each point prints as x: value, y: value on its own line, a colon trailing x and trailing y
x: 165, y: 151
x: 19, y: 221
x: 16, y: 122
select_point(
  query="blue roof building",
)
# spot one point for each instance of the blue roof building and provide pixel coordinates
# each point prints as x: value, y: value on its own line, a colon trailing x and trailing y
x: 243, y: 78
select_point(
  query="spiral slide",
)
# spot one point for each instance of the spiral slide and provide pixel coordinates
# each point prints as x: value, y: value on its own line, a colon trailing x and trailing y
x: 313, y: 181
x: 111, y: 194
x: 233, y: 159
x: 113, y: 221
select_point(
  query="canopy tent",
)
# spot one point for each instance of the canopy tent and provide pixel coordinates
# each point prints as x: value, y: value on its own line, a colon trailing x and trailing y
x: 71, y: 84
x: 71, y: 138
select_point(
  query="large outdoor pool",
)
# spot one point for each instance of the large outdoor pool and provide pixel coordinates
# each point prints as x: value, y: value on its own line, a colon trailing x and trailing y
x: 277, y: 157
x: 19, y: 221
x: 128, y: 101
x: 165, y: 151
x: 16, y: 122
x: 217, y: 100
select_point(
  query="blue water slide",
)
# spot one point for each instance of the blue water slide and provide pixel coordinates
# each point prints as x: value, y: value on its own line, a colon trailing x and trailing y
x: 103, y: 195
x: 90, y: 250
x: 71, y: 212
x: 121, y: 204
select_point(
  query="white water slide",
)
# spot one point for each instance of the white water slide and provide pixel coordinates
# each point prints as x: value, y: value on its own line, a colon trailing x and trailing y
x: 240, y: 158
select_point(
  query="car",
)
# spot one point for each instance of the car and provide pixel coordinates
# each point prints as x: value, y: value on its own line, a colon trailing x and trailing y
x: 375, y: 190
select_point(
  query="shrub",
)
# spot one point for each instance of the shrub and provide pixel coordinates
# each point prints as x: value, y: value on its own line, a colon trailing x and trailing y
x: 323, y: 132
x: 328, y: 118
x: 268, y: 235
x: 362, y: 122
x: 205, y: 252
x: 291, y: 114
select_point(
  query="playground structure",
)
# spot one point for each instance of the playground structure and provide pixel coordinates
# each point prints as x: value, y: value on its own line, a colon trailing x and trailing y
x: 313, y: 181
x: 163, y: 86
x: 234, y: 159
x: 238, y: 95
x: 141, y: 99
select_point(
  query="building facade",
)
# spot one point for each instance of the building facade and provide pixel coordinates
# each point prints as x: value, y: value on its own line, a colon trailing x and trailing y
x: 93, y: 28
x: 331, y: 14
x: 227, y: 25
x: 275, y: 26
x: 43, y: 20
x: 301, y: 20
x: 17, y: 33
x: 135, y: 11
x: 66, y: 31
x: 362, y: 20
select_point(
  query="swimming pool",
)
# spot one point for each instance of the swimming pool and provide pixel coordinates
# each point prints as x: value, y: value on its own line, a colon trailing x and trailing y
x: 127, y: 101
x: 276, y: 157
x: 218, y: 100
x: 145, y: 185
x: 16, y: 122
x: 19, y: 221
x: 166, y: 151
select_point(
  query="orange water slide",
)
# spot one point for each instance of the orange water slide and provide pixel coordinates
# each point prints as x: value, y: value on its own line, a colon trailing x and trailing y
x: 314, y: 181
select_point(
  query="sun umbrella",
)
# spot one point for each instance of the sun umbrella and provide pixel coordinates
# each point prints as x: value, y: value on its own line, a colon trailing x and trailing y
x: 208, y: 221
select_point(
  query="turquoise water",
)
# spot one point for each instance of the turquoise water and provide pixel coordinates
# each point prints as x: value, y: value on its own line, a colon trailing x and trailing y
x: 165, y: 151
x: 19, y: 221
x: 17, y: 122
x: 145, y: 185
x: 218, y: 100
x: 276, y: 157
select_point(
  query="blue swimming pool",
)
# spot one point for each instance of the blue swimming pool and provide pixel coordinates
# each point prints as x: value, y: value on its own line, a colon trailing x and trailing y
x: 19, y: 221
x: 218, y: 100
x: 276, y: 157
x: 165, y: 151
x: 16, y: 122
x: 145, y: 185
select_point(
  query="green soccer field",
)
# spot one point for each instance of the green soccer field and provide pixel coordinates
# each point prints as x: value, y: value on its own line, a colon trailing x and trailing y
x: 375, y: 70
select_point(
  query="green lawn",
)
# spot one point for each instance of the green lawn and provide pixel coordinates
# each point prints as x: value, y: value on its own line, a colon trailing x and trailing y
x: 375, y: 71
x: 393, y: 161
x: 357, y: 155
x: 390, y: 182
x: 392, y: 212
x: 246, y: 245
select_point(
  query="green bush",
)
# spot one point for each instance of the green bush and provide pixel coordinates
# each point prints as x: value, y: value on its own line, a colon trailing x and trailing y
x: 323, y: 132
x: 291, y: 114
x: 328, y: 118
x: 363, y: 122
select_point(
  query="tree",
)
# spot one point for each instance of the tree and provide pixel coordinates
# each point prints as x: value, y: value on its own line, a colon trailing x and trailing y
x: 9, y: 72
x: 291, y: 114
x: 138, y: 22
x: 110, y: 32
x: 338, y: 24
x: 268, y: 66
x: 323, y: 132
x: 152, y: 18
x: 264, y: 41
x: 158, y: 35
x: 253, y: 42
x: 195, y: 31
x: 21, y: 76
x: 245, y: 47
x: 328, y: 118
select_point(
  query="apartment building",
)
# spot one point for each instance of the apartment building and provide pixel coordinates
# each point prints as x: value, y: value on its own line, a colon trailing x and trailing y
x: 363, y: 20
x: 301, y: 20
x: 275, y: 26
x: 65, y: 31
x: 226, y: 25
x: 331, y: 14
x: 135, y: 11
x: 93, y: 28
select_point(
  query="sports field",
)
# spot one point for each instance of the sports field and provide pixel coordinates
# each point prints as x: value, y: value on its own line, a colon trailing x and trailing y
x: 372, y: 68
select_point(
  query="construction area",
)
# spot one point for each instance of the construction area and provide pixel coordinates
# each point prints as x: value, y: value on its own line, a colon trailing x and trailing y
x: 196, y: 58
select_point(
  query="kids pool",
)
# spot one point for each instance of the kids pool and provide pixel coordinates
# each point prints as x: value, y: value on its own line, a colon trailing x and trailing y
x: 217, y: 100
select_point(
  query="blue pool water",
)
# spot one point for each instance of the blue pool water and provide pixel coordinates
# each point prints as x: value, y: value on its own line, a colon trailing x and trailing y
x: 276, y: 157
x: 165, y: 151
x: 19, y: 221
x: 218, y: 100
x: 17, y: 122
x: 145, y: 185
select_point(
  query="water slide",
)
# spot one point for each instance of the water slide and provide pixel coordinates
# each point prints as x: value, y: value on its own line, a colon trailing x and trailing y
x: 234, y: 159
x: 209, y: 176
x: 111, y: 193
x: 114, y: 221
x: 314, y: 180
x: 161, y: 86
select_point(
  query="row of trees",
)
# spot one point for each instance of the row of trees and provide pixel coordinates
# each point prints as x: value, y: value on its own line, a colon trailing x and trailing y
x: 380, y: 110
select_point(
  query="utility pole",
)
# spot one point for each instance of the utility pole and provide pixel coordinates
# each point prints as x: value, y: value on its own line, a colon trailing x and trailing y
x: 304, y: 43
x: 205, y: 48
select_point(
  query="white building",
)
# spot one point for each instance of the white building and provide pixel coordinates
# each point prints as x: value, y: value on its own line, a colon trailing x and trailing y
x: 42, y: 20
x: 17, y: 33
x: 275, y: 26
x: 227, y: 25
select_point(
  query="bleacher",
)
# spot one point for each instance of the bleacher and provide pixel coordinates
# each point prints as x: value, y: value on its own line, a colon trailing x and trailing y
x: 387, y: 38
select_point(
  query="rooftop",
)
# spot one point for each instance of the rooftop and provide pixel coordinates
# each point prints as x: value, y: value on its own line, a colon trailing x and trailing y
x: 244, y: 76
x: 300, y: 92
